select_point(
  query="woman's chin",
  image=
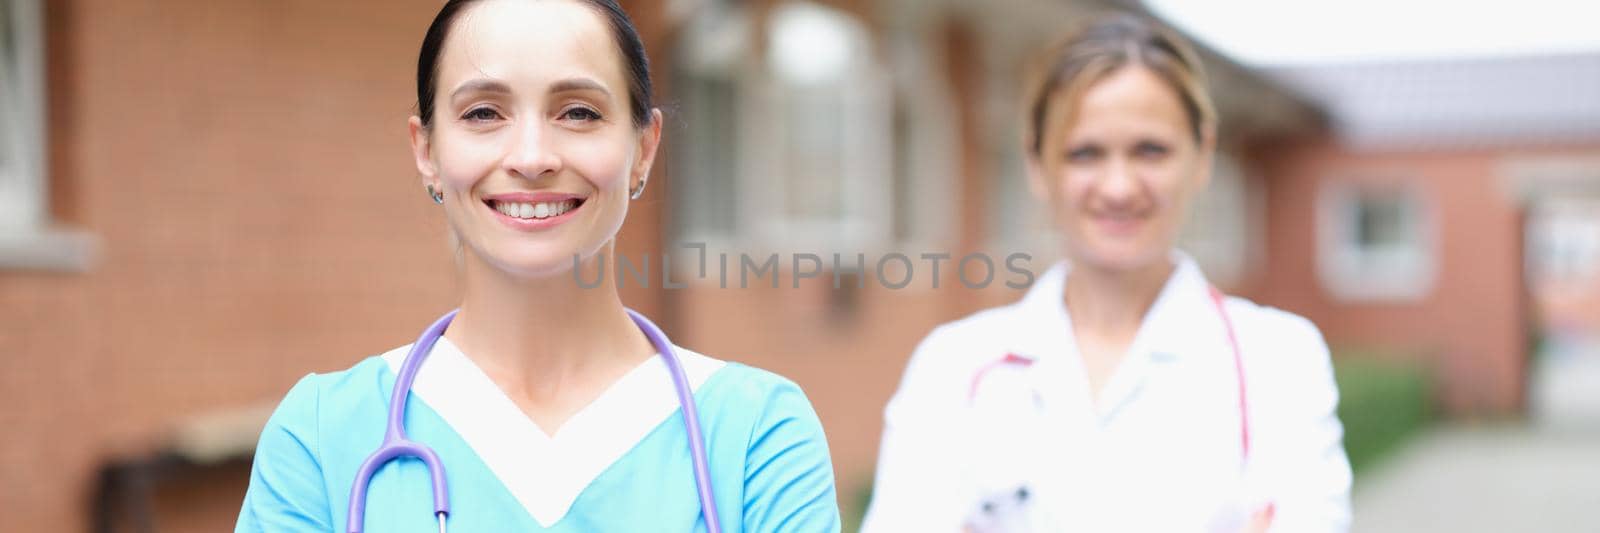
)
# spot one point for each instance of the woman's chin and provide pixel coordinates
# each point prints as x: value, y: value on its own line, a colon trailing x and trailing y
x: 1123, y: 256
x: 537, y: 262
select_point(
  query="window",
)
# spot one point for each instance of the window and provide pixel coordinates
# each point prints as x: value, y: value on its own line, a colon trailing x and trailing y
x: 1562, y: 197
x: 926, y: 152
x: 792, y: 147
x: 1375, y: 242
x: 711, y: 81
x: 1564, y: 240
x: 1220, y: 233
x: 21, y: 98
x: 26, y: 238
x: 1019, y: 222
x: 832, y: 133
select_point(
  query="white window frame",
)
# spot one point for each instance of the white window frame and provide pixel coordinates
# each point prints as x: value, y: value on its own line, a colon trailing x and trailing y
x: 1223, y: 232
x: 868, y: 149
x: 28, y: 240
x: 1563, y: 236
x: 1405, y: 273
x: 927, y: 155
x: 1562, y: 190
x: 713, y: 45
x: 762, y: 224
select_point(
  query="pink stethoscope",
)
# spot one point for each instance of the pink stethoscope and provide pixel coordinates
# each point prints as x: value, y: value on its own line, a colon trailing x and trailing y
x: 1218, y: 300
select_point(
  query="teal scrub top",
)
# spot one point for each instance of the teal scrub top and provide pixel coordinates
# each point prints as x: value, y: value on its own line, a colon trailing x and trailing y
x: 768, y: 458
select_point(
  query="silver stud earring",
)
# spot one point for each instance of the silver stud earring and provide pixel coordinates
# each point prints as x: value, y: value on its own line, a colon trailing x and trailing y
x: 435, y: 194
x: 636, y: 193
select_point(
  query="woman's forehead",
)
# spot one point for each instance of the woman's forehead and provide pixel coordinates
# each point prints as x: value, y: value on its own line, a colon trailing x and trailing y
x: 1130, y: 96
x: 530, y: 41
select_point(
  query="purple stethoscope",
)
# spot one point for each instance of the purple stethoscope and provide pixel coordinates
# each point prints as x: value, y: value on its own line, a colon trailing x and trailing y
x: 396, y: 444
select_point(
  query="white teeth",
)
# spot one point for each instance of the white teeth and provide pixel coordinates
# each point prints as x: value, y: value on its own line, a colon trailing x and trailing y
x: 539, y: 210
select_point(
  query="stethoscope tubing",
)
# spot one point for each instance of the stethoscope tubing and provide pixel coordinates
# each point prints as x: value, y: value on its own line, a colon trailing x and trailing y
x: 396, y: 444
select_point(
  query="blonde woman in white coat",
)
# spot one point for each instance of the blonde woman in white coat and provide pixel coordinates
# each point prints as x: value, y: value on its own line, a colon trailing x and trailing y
x: 1123, y: 392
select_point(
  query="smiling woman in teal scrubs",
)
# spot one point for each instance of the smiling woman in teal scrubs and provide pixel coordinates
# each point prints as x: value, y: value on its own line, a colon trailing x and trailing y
x: 546, y: 405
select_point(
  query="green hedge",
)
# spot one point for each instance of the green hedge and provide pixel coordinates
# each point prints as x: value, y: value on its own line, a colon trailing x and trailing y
x: 1383, y: 400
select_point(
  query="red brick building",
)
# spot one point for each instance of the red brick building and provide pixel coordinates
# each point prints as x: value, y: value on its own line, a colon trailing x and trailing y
x: 222, y: 201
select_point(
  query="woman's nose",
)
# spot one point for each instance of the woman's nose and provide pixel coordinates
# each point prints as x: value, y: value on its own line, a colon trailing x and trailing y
x: 531, y: 153
x: 1119, y: 182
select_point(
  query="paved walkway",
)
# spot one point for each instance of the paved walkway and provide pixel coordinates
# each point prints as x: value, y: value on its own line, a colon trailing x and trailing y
x: 1542, y: 476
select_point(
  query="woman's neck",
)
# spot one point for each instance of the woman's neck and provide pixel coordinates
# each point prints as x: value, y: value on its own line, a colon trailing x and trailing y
x: 1110, y: 304
x: 1107, y: 307
x: 549, y: 343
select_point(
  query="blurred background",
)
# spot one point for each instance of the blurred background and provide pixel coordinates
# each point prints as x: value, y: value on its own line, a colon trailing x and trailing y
x: 202, y: 201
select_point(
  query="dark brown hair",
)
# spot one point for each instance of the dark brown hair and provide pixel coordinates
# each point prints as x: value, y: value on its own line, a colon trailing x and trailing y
x: 636, y: 64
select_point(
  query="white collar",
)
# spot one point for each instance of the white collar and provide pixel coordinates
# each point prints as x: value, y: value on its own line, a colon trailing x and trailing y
x: 1181, y: 323
x: 1170, y: 327
x: 548, y: 473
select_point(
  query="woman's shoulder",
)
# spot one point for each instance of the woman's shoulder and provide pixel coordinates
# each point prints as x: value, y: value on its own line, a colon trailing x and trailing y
x: 293, y: 441
x: 955, y: 348
x: 976, y: 331
x: 321, y: 396
x: 787, y: 469
x: 757, y: 398
x: 1282, y: 350
x: 981, y: 331
x: 1272, y: 327
x: 359, y: 377
x: 739, y: 384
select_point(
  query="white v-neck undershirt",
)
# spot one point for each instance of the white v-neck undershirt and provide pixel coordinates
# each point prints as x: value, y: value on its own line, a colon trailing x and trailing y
x: 547, y: 473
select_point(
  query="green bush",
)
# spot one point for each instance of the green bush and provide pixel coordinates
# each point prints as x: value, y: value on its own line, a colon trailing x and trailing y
x: 1384, y: 398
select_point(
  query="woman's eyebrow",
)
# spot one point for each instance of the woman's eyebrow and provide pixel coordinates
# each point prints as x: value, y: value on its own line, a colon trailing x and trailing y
x: 578, y: 84
x: 481, y: 85
x: 486, y: 85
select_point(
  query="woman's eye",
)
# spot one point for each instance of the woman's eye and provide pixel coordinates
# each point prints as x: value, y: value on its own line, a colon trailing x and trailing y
x: 1083, y: 155
x: 582, y: 114
x: 1150, y: 150
x: 481, y: 114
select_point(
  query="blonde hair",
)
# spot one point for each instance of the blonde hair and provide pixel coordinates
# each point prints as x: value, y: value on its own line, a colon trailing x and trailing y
x: 1105, y: 45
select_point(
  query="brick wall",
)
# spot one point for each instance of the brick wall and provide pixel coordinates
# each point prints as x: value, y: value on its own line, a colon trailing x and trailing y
x: 246, y: 169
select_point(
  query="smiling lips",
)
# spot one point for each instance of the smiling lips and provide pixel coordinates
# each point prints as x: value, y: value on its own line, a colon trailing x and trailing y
x: 533, y: 211
x: 1119, y: 224
x: 526, y: 210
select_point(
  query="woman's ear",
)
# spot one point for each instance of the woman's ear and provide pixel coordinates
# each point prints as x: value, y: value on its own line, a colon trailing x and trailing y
x: 422, y: 150
x: 649, y: 143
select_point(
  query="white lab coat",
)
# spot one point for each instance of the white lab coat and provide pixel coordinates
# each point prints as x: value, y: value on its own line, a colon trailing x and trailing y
x: 993, y: 429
